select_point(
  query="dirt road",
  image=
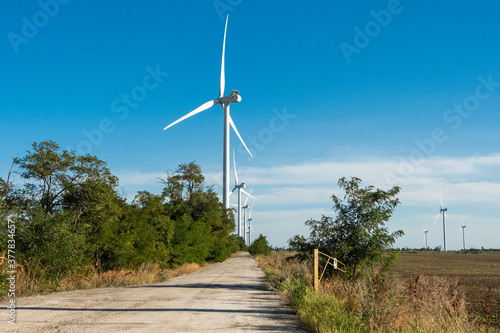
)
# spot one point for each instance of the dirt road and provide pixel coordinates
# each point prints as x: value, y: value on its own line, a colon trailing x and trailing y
x: 224, y: 297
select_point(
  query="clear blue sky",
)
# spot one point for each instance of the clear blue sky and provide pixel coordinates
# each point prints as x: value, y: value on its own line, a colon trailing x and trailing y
x: 400, y: 93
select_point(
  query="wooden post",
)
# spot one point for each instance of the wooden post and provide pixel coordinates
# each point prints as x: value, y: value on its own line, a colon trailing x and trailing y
x: 315, y: 269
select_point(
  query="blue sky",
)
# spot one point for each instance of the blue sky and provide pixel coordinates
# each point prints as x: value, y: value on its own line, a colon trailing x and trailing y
x: 400, y: 93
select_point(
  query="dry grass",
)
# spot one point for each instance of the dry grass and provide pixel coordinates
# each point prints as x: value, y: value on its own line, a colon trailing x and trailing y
x: 414, y: 303
x: 31, y: 281
x: 429, y: 304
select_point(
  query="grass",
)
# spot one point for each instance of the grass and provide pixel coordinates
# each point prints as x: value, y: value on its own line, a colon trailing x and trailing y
x: 400, y: 303
x: 32, y: 280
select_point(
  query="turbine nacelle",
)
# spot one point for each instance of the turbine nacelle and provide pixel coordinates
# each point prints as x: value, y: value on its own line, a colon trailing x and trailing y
x: 234, y: 97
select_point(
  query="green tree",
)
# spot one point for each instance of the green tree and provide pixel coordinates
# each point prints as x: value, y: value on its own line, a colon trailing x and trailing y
x: 57, y: 180
x: 357, y: 236
x: 51, y: 242
x: 202, y: 224
x: 64, y: 198
x: 260, y: 246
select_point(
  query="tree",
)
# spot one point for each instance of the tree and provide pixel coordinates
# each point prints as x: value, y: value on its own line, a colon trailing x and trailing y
x: 65, y: 198
x: 183, y: 184
x: 57, y: 180
x: 357, y: 236
x: 260, y: 246
x: 202, y: 224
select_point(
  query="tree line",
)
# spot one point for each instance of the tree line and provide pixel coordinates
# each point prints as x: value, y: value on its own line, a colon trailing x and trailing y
x: 69, y: 214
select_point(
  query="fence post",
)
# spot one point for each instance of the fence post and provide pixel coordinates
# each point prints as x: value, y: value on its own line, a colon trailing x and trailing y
x: 315, y: 269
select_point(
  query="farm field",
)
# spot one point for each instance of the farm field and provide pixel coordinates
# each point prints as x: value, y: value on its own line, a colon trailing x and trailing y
x: 477, y: 272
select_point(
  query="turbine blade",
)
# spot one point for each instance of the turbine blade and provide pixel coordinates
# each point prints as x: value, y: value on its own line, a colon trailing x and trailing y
x: 238, y: 134
x: 436, y: 219
x: 250, y: 215
x: 459, y: 228
x: 234, y: 205
x: 441, y: 198
x: 235, y: 173
x: 199, y: 109
x: 447, y: 216
x: 222, y: 71
x: 249, y: 195
x: 251, y: 227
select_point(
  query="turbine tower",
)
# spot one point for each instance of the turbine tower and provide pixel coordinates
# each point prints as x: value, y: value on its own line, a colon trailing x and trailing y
x: 224, y: 101
x: 443, y: 211
x: 463, y: 233
x: 239, y: 186
x: 425, y: 233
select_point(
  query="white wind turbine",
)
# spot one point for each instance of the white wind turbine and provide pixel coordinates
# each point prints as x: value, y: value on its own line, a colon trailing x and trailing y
x: 239, y: 186
x: 250, y: 228
x: 463, y: 233
x: 425, y: 233
x: 245, y: 206
x: 442, y: 210
x: 233, y: 97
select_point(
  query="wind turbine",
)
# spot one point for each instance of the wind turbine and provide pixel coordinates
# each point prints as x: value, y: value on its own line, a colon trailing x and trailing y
x: 442, y: 210
x: 245, y: 206
x: 239, y: 186
x: 250, y: 228
x: 233, y: 97
x: 463, y: 232
x: 425, y: 233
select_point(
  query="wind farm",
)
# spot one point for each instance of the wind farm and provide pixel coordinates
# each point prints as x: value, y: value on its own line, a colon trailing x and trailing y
x: 344, y: 123
x: 302, y: 117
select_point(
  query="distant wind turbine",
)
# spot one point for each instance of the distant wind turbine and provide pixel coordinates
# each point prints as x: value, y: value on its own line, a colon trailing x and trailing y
x: 442, y: 210
x: 239, y: 186
x: 425, y: 233
x: 233, y: 97
x: 245, y: 206
x: 463, y: 232
x: 250, y: 228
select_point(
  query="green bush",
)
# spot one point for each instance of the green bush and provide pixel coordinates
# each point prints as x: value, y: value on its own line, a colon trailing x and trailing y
x: 260, y: 246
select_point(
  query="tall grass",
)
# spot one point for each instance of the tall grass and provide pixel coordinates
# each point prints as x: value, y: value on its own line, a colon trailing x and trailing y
x: 373, y: 303
x: 32, y: 278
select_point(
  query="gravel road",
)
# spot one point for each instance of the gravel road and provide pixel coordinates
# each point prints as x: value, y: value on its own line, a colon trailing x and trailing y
x: 224, y: 297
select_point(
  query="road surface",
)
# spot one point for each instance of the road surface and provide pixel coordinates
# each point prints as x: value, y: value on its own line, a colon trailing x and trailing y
x: 224, y: 297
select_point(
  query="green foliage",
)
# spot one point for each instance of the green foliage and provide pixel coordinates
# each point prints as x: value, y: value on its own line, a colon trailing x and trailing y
x: 357, y: 236
x: 323, y: 313
x: 51, y: 241
x: 60, y: 179
x: 260, y: 246
x: 69, y: 216
x: 317, y: 312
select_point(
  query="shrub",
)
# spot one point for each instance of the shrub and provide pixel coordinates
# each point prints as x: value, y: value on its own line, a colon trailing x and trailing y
x: 260, y: 246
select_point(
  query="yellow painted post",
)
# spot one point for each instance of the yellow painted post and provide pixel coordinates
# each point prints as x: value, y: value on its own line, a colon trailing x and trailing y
x: 315, y: 269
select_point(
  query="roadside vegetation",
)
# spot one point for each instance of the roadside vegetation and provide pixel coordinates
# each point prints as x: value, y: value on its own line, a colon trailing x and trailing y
x: 369, y: 297
x: 260, y: 246
x: 75, y: 229
x: 372, y: 303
